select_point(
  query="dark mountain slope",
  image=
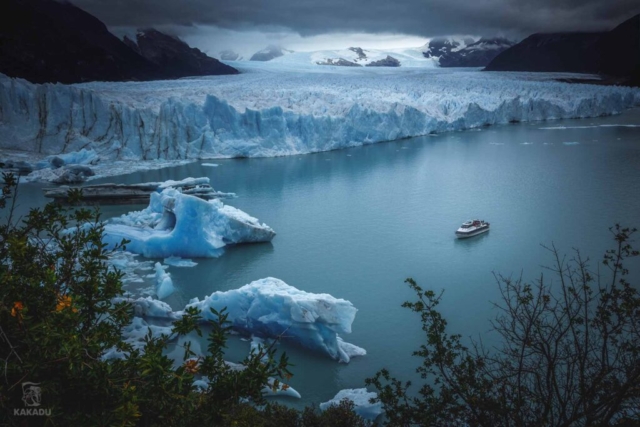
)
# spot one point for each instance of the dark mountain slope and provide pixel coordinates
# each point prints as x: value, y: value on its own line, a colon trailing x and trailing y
x: 55, y: 41
x: 175, y: 57
x: 613, y: 53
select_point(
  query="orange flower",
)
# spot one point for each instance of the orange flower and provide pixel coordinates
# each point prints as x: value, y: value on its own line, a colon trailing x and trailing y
x: 17, y: 308
x: 191, y: 366
x: 64, y: 302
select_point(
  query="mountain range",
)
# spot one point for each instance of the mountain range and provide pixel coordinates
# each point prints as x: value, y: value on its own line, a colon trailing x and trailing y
x: 465, y: 52
x: 614, y: 53
x: 55, y: 41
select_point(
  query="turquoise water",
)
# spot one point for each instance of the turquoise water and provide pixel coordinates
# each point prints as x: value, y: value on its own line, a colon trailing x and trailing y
x: 355, y: 223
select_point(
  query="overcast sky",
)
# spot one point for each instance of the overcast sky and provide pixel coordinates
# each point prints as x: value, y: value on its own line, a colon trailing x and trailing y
x: 310, y: 24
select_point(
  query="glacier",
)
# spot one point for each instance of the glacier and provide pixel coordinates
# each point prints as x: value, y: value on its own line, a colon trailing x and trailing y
x: 281, y: 109
x: 179, y: 225
x: 360, y: 398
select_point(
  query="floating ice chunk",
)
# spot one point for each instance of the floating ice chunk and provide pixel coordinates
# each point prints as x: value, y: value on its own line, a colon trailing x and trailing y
x: 257, y: 343
x: 348, y: 350
x: 82, y: 157
x: 571, y: 143
x: 187, y: 182
x: 621, y: 126
x: 360, y: 398
x: 177, y: 353
x: 149, y: 307
x: 127, y: 264
x: 179, y: 262
x: 134, y: 334
x: 213, y: 165
x: 177, y: 224
x: 271, y: 308
x: 588, y: 127
x: 283, y: 390
x: 201, y: 384
x: 164, y: 284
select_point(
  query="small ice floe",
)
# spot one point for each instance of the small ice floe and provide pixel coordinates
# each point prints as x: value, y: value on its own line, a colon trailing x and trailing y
x: 164, y: 284
x: 570, y: 143
x: 361, y: 401
x: 565, y: 127
x: 281, y: 390
x: 258, y: 344
x: 496, y: 143
x: 134, y: 334
x: 526, y: 143
x: 127, y: 264
x: 176, y: 261
x: 211, y: 165
x: 620, y: 126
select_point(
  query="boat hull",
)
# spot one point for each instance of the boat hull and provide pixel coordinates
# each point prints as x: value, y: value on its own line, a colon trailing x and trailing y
x: 472, y: 233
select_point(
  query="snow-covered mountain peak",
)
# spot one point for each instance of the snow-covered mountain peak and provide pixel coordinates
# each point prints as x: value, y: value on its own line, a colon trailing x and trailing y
x: 270, y: 52
x: 465, y: 51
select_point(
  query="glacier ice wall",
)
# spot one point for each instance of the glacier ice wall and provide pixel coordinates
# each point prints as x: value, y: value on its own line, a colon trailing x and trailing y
x: 271, y: 114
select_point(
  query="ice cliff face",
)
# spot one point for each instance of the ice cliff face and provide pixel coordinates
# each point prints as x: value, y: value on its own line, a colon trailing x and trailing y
x: 269, y: 114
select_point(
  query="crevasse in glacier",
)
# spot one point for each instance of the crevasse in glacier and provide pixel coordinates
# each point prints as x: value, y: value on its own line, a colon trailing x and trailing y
x: 272, y: 114
x: 177, y: 224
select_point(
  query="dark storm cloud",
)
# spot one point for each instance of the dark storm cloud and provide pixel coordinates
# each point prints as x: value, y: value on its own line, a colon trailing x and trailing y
x: 417, y: 17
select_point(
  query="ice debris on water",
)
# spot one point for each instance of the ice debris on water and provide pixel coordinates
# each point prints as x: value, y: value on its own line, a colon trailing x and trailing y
x: 361, y: 400
x: 179, y: 262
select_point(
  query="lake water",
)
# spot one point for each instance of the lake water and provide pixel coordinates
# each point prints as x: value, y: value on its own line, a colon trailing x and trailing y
x: 355, y: 223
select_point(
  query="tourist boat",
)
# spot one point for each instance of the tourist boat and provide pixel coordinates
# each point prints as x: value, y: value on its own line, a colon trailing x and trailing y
x: 472, y: 228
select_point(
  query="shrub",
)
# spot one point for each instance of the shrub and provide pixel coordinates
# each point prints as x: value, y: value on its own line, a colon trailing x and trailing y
x: 57, y: 320
x: 570, y: 353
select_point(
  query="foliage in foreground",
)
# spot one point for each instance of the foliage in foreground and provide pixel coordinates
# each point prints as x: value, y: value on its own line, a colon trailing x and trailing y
x: 57, y: 320
x: 570, y: 353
